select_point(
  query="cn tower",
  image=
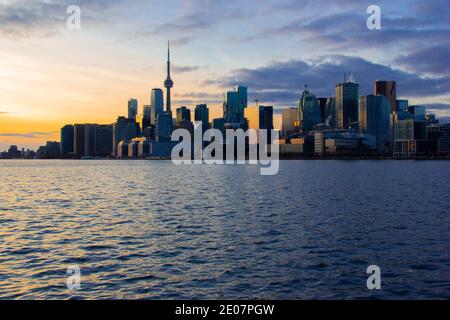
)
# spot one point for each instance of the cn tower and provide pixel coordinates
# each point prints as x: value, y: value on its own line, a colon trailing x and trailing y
x: 168, y: 83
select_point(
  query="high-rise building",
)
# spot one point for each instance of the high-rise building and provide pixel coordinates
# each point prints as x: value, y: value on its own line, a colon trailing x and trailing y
x: 202, y: 114
x: 347, y: 96
x: 146, y: 117
x: 309, y: 111
x: 418, y: 112
x: 78, y: 140
x: 402, y: 105
x: 157, y: 103
x: 123, y: 130
x: 168, y: 84
x: 132, y: 109
x: 389, y: 90
x: 289, y: 121
x: 164, y: 127
x: 183, y: 114
x: 259, y: 117
x: 67, y: 140
x: 444, y: 139
x: 266, y: 117
x: 331, y: 108
x: 374, y: 114
x: 411, y: 139
x: 234, y: 105
x: 98, y: 140
x: 219, y: 124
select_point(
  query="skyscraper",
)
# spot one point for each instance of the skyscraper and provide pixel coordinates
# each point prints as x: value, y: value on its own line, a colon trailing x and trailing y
x: 146, y: 117
x: 78, y: 140
x: 98, y: 140
x: 389, y: 90
x: 168, y: 84
x: 202, y: 114
x: 347, y: 96
x: 123, y: 130
x: 374, y: 114
x: 266, y: 117
x: 67, y: 140
x: 183, y: 114
x: 164, y: 126
x: 309, y: 111
x: 157, y: 103
x: 132, y: 109
x: 289, y: 121
x: 234, y: 105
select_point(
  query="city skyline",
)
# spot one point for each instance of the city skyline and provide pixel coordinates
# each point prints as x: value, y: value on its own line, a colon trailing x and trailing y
x: 68, y: 74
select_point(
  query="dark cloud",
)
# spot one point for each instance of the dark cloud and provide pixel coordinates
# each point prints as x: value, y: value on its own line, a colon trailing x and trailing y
x: 281, y: 82
x: 434, y: 59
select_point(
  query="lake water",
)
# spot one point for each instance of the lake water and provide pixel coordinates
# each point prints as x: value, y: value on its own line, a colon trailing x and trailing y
x: 149, y: 229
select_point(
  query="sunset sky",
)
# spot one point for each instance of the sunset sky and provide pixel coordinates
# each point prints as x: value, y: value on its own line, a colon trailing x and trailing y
x: 51, y: 76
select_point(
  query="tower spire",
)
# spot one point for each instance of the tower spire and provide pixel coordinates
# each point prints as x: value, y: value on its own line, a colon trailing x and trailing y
x: 168, y: 84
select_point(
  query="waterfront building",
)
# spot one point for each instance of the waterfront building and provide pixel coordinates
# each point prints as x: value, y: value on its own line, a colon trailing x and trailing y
x: 444, y: 140
x: 402, y: 106
x: 219, y: 124
x: 387, y: 89
x: 374, y: 112
x: 122, y: 150
x: 164, y: 127
x: 67, y: 137
x: 411, y: 139
x: 51, y: 150
x: 157, y: 103
x: 123, y: 130
x: 418, y: 112
x: 183, y: 114
x: 202, y: 115
x: 146, y: 117
x: 289, y: 122
x: 78, y: 140
x: 347, y: 99
x: 309, y: 111
x: 132, y: 109
x: 234, y: 105
x: 98, y: 140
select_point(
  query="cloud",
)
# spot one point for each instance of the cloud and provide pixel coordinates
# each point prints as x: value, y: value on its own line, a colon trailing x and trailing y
x: 30, y: 135
x: 435, y: 59
x: 193, y: 98
x: 184, y: 69
x: 281, y: 82
x: 46, y: 18
x: 181, y: 41
x: 202, y: 15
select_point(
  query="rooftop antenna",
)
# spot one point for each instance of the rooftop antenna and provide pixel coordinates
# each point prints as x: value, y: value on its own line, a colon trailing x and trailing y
x: 257, y: 101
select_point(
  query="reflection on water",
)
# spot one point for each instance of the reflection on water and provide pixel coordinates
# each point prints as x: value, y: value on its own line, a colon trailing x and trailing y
x: 154, y: 230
